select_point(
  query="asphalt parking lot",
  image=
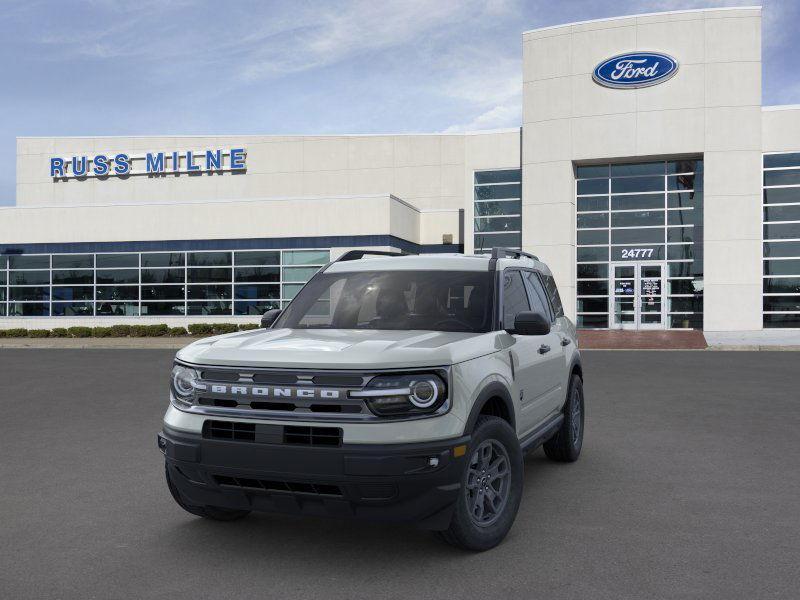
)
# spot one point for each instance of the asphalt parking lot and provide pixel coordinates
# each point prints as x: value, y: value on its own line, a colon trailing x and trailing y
x: 688, y: 487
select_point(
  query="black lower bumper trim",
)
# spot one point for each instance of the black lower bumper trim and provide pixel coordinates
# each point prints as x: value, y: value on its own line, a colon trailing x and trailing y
x: 409, y: 483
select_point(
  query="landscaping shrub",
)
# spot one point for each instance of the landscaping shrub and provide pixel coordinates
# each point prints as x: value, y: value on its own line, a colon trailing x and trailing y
x: 80, y: 332
x: 2, y: 333
x: 138, y: 331
x: 220, y: 328
x: 101, y: 332
x: 177, y: 331
x: 157, y: 330
x: 201, y: 329
x: 248, y: 326
x: 38, y: 333
x: 60, y: 332
x: 17, y: 332
x: 120, y: 330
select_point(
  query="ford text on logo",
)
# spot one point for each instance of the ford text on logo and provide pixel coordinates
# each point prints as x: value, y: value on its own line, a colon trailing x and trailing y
x: 151, y: 163
x: 635, y: 70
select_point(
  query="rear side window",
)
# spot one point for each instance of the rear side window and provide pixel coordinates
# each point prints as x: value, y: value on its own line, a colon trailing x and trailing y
x: 537, y: 295
x: 552, y: 292
x: 515, y: 298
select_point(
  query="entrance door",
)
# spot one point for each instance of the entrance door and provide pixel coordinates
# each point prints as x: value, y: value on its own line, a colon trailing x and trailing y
x: 637, y: 290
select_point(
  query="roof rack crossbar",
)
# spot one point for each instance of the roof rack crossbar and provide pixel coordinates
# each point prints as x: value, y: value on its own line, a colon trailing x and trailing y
x: 509, y: 253
x: 358, y: 254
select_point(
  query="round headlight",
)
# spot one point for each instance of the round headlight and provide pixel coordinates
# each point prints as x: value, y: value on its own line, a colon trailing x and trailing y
x: 183, y: 379
x: 424, y: 393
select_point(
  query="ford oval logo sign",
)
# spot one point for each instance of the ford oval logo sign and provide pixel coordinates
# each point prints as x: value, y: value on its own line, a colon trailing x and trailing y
x: 635, y: 70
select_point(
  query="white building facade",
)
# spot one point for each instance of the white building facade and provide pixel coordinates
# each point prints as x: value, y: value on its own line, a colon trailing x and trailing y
x: 657, y: 187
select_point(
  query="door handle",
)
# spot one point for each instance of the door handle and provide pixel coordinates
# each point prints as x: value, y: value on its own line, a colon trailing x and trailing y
x: 544, y: 349
x: 565, y: 341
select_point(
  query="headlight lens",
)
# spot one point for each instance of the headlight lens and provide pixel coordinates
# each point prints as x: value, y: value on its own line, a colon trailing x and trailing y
x: 405, y: 394
x: 184, y: 380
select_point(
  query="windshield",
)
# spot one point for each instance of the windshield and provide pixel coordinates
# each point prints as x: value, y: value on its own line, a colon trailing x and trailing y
x: 434, y: 300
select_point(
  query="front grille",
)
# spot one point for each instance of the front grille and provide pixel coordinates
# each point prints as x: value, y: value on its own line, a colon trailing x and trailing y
x: 312, y: 436
x: 289, y: 487
x: 230, y: 430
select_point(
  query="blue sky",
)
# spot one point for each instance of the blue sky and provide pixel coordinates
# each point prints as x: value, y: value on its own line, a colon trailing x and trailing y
x: 151, y: 67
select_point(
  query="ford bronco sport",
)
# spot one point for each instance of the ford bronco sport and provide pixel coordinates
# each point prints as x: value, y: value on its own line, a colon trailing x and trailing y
x: 393, y: 387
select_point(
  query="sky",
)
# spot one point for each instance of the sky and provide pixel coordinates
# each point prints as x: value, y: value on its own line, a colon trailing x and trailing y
x: 174, y: 67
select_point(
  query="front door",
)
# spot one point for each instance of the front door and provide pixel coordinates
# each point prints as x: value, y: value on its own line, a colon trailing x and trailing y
x: 636, y: 299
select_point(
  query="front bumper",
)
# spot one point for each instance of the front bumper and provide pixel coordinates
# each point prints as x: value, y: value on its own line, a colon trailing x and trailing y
x: 405, y: 483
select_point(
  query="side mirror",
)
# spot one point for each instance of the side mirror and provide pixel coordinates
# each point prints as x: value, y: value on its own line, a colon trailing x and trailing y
x: 269, y: 317
x: 531, y: 323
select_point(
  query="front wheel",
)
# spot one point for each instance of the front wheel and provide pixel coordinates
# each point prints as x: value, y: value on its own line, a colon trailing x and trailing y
x: 566, y: 444
x: 491, y: 488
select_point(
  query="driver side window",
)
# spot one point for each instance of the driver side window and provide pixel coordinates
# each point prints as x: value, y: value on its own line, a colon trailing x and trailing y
x: 515, y: 298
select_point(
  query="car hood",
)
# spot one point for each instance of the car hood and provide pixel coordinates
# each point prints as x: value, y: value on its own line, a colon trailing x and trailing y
x: 339, y: 348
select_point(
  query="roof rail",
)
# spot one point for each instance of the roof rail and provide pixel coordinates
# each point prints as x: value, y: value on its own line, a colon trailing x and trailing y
x: 509, y: 253
x: 358, y: 254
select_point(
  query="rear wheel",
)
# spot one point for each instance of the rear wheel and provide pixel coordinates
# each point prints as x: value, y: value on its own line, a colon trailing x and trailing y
x: 566, y: 444
x: 491, y: 488
x: 216, y: 513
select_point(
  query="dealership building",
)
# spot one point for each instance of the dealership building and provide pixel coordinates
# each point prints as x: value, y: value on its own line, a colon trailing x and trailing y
x: 645, y: 172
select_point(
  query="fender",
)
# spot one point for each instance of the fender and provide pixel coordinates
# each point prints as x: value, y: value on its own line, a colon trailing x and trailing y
x: 493, y: 389
x: 575, y: 364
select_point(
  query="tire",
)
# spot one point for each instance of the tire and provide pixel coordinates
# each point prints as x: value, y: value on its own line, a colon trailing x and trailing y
x: 566, y: 444
x: 215, y: 513
x: 468, y: 529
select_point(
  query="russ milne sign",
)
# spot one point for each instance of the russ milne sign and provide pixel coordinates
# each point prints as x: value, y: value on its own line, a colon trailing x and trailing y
x: 151, y: 163
x: 635, y: 70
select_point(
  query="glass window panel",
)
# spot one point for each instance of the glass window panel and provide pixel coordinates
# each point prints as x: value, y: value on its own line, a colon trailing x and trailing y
x: 782, y: 285
x: 498, y: 176
x: 694, y: 321
x: 117, y: 292
x: 29, y: 277
x: 679, y: 252
x: 113, y: 261
x: 694, y: 304
x: 782, y: 195
x: 782, y: 267
x: 592, y: 236
x: 84, y: 292
x: 3, y: 262
x: 592, y: 186
x: 684, y: 166
x: 515, y: 298
x: 592, y: 288
x: 164, y: 259
x: 685, y: 200
x: 782, y: 231
x: 593, y: 220
x: 593, y: 321
x: 29, y: 293
x: 220, y: 275
x: 638, y: 252
x: 787, y: 320
x: 637, y: 202
x: 782, y: 303
x: 298, y: 274
x: 778, y: 249
x: 498, y: 224
x: 684, y: 286
x: 592, y: 271
x: 788, y: 177
x: 593, y: 305
x: 680, y: 234
x: 487, y: 241
x: 162, y: 309
x: 118, y: 276
x: 306, y: 257
x: 681, y: 269
x: 209, y: 292
x: 637, y: 219
x: 73, y: 261
x: 209, y: 259
x: 589, y: 171
x: 220, y: 307
x: 28, y: 309
x: 257, y: 258
x: 498, y: 192
x: 254, y: 307
x: 290, y: 290
x: 648, y: 168
x: 789, y: 159
x: 163, y: 275
x: 624, y: 185
x: 73, y: 309
x: 29, y: 262
x: 637, y: 236
x: 117, y: 309
x: 254, y: 292
x: 504, y: 207
x: 3, y: 308
x: 162, y: 292
x: 684, y: 182
x: 684, y: 217
x: 2, y: 294
x: 782, y: 213
x: 2, y: 277
x: 257, y: 274
x: 598, y: 203
x: 73, y: 277
x: 592, y: 254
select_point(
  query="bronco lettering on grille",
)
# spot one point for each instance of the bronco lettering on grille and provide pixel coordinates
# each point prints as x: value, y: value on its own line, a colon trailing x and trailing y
x: 275, y: 392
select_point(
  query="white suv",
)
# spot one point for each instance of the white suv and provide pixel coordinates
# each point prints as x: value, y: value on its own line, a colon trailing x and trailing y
x: 401, y: 388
